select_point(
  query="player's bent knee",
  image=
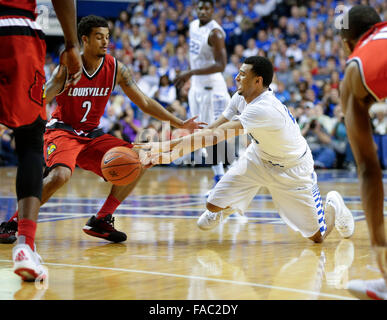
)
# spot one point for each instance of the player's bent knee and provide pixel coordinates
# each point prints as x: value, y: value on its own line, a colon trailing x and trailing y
x: 317, y: 238
x: 60, y: 175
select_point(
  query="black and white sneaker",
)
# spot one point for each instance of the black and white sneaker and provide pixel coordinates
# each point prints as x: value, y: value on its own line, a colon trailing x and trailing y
x: 8, y: 232
x: 103, y: 228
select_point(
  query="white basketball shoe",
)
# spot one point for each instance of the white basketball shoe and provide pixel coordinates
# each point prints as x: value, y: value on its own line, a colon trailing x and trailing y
x: 344, y: 221
x: 209, y: 220
x: 368, y: 289
x: 28, y: 263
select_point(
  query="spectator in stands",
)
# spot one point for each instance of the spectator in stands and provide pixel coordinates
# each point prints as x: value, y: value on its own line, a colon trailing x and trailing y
x: 252, y: 49
x: 319, y: 141
x: 130, y: 126
x: 262, y: 40
x: 179, y: 62
x: 379, y: 118
x: 282, y: 94
x: 166, y: 93
x: 232, y: 67
x: 294, y: 51
x: 7, y: 147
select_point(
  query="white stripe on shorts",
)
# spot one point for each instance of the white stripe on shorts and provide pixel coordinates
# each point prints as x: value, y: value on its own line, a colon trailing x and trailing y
x: 19, y: 22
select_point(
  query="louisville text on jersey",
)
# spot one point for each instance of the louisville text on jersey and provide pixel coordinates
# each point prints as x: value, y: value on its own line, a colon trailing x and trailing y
x: 88, y: 92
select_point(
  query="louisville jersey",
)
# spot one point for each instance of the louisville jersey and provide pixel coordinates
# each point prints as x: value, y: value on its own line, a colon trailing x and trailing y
x: 370, y: 54
x: 29, y: 5
x: 82, y: 106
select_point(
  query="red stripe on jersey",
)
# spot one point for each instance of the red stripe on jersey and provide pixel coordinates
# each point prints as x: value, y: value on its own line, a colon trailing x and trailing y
x: 82, y: 106
x: 370, y: 54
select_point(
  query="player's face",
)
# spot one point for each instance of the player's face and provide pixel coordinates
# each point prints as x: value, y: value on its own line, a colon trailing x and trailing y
x: 204, y: 11
x: 245, y: 80
x: 98, y: 41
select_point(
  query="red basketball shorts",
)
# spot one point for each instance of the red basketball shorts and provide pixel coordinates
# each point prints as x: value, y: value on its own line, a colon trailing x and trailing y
x: 22, y: 79
x: 64, y: 148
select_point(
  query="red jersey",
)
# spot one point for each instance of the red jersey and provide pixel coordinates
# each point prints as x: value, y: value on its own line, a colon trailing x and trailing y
x: 370, y: 54
x: 82, y: 106
x: 29, y: 5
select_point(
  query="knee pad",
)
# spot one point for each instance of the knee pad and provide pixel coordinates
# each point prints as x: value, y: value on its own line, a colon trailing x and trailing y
x: 29, y: 149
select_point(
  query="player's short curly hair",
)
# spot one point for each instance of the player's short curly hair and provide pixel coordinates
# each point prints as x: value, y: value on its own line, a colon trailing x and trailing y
x: 360, y: 19
x: 262, y: 67
x: 86, y: 25
x: 211, y: 2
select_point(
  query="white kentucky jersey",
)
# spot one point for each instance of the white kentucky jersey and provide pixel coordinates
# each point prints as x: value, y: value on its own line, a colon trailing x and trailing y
x: 201, y: 55
x: 276, y: 134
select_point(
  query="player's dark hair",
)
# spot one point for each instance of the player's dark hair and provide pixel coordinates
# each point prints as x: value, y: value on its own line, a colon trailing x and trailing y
x: 86, y: 25
x: 360, y: 19
x: 211, y: 2
x: 261, y: 67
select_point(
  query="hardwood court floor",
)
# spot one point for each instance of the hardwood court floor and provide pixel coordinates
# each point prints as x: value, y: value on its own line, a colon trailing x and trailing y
x: 167, y: 257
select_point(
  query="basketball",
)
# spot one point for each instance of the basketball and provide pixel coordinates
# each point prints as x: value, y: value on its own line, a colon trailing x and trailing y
x: 120, y: 166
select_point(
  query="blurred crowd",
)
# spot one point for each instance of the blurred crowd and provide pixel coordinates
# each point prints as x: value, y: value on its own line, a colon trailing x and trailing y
x: 299, y: 37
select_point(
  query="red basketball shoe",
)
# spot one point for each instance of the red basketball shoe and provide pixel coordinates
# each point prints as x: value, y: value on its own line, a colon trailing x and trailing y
x: 103, y: 228
x: 8, y: 232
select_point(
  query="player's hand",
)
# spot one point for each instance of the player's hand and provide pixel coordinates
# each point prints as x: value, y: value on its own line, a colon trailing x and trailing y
x: 145, y: 159
x: 154, y: 147
x: 182, y: 78
x: 148, y: 159
x: 71, y: 58
x: 191, y: 125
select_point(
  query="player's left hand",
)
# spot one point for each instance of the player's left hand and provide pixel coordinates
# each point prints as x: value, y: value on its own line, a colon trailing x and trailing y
x: 191, y: 125
x: 71, y: 58
x: 148, y: 159
x: 154, y: 147
x: 145, y: 159
x: 182, y: 78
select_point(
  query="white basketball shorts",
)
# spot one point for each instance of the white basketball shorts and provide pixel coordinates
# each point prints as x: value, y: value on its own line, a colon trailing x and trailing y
x: 294, y: 190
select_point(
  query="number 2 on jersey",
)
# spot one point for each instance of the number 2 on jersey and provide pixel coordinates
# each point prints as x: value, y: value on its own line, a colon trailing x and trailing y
x: 194, y: 47
x: 87, y: 105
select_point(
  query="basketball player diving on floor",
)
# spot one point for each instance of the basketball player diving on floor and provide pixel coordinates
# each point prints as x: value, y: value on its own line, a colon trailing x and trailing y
x: 278, y: 158
x: 72, y: 135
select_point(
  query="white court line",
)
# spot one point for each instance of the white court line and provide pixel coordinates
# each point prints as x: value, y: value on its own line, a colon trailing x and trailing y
x: 254, y: 210
x: 67, y: 216
x: 173, y: 275
x: 202, y: 202
x: 60, y: 217
x: 79, y: 215
x: 122, y: 205
x: 162, y: 197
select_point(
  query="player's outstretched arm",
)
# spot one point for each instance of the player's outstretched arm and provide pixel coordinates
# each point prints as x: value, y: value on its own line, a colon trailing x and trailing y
x: 70, y: 57
x: 185, y: 145
x: 149, y: 105
x: 356, y: 101
x: 218, y: 122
